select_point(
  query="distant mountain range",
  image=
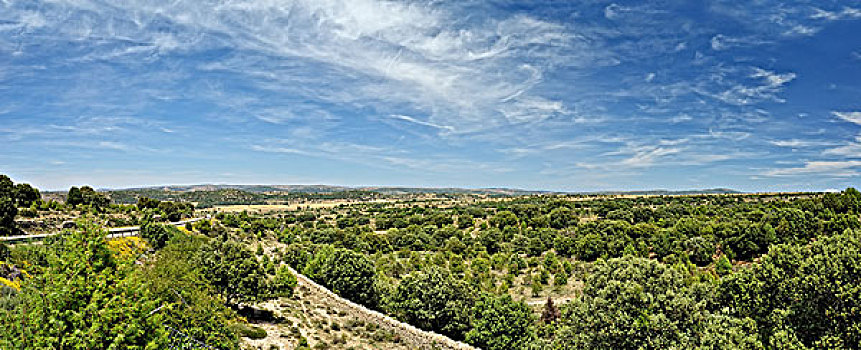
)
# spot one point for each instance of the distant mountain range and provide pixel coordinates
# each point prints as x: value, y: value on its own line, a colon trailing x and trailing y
x: 406, y: 190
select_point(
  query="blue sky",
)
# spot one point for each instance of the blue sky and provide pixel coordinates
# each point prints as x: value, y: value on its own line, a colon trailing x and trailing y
x: 562, y: 95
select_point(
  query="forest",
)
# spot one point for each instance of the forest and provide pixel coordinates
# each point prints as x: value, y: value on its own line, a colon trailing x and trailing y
x: 542, y: 271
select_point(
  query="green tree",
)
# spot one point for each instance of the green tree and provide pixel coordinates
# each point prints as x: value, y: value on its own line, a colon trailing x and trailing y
x: 188, y: 302
x: 504, y: 219
x: 500, y: 323
x: 157, y: 234
x: 638, y: 303
x: 434, y: 300
x: 231, y: 268
x: 350, y: 275
x: 7, y: 187
x: 74, y: 197
x: 561, y: 218
x: 8, y: 211
x: 83, y: 299
x: 147, y: 203
x: 283, y: 283
x: 803, y: 295
x: 25, y: 195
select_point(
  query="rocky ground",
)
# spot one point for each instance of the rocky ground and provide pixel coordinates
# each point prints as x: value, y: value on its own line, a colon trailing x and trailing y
x: 323, y: 325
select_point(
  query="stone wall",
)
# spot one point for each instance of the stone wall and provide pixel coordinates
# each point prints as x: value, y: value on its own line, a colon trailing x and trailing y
x: 408, y: 334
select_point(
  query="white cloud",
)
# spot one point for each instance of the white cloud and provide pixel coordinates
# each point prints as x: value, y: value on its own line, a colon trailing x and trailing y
x: 824, y: 168
x: 419, y: 122
x: 849, y: 150
x: 771, y: 83
x: 722, y: 42
x: 649, y: 77
x: 852, y: 117
x: 363, y: 53
x: 845, y: 13
x: 798, y: 143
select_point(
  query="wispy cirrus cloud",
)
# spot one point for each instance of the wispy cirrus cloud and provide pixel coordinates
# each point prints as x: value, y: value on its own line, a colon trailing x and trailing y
x: 541, y: 89
x: 845, y: 13
x: 852, y: 117
x: 846, y: 168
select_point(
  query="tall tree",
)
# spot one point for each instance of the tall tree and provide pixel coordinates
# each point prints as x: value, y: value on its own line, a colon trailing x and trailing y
x: 434, y: 300
x: 500, y: 323
x: 26, y: 195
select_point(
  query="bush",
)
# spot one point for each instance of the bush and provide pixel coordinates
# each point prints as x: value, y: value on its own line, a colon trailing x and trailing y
x: 249, y: 331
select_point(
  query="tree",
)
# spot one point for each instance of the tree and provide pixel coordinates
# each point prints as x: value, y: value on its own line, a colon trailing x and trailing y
x: 147, y: 203
x: 283, y: 283
x: 232, y: 270
x: 561, y: 218
x: 88, y: 196
x: 188, y: 302
x: 550, y: 313
x: 504, y: 219
x: 638, y: 303
x: 8, y: 211
x: 434, y: 300
x: 501, y: 324
x: 157, y: 234
x: 25, y: 195
x: 803, y: 295
x: 7, y: 188
x: 74, y: 197
x: 83, y: 299
x: 350, y: 275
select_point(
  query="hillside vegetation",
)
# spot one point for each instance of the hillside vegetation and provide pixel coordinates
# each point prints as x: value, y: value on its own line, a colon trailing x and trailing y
x: 739, y: 271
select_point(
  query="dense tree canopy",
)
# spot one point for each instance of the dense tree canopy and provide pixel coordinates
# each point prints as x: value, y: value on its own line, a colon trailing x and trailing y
x: 232, y: 270
x: 803, y: 296
x: 756, y: 271
x: 83, y: 298
x: 500, y: 323
x: 638, y: 303
x: 434, y: 300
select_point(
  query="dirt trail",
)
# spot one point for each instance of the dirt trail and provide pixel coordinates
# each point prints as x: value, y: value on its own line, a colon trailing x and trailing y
x: 408, y: 334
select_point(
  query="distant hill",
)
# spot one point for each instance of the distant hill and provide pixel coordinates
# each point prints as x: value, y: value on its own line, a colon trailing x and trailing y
x: 334, y: 189
x: 669, y: 192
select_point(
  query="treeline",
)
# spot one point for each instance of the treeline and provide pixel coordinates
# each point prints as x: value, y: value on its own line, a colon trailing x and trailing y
x: 230, y: 196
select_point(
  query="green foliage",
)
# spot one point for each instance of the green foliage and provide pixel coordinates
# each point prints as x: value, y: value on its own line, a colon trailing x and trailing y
x: 803, y: 295
x: 561, y: 218
x: 504, y: 219
x: 191, y: 304
x: 637, y: 303
x: 147, y: 203
x: 25, y: 195
x: 7, y: 187
x: 347, y: 273
x: 157, y: 234
x: 83, y: 299
x: 87, y: 196
x: 232, y: 270
x: 175, y: 211
x: 434, y: 300
x: 8, y: 211
x: 283, y: 283
x: 249, y: 331
x: 500, y: 323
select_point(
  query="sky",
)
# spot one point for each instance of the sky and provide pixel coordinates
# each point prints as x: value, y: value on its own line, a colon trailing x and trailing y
x: 755, y: 95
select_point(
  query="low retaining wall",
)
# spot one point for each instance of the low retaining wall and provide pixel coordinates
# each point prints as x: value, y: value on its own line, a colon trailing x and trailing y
x: 409, y: 334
